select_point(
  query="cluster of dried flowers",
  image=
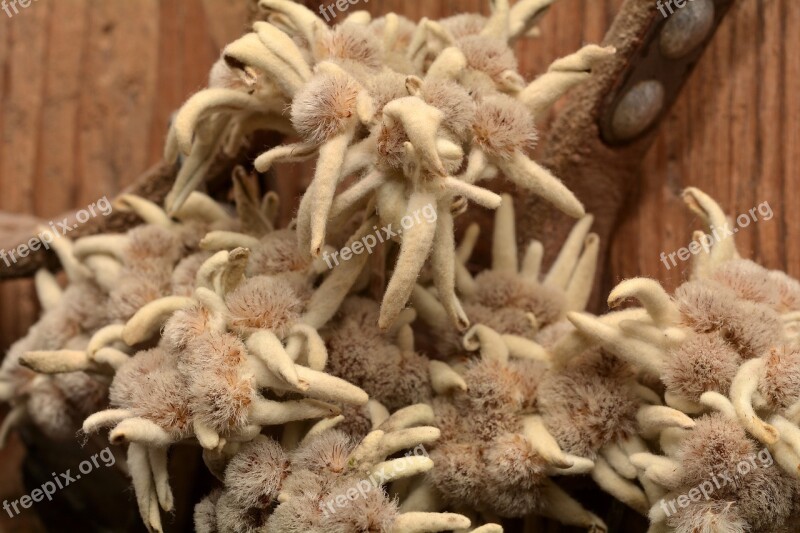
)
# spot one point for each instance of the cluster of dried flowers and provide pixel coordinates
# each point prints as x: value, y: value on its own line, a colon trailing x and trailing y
x: 722, y: 353
x: 209, y: 324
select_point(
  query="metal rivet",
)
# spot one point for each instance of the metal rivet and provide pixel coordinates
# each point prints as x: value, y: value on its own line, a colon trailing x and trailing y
x: 687, y: 28
x: 637, y: 109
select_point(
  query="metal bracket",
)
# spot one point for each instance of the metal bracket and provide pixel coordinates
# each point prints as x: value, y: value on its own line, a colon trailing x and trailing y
x: 670, y: 48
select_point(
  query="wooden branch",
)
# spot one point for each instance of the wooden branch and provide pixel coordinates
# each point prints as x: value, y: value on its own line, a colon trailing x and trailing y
x: 153, y: 185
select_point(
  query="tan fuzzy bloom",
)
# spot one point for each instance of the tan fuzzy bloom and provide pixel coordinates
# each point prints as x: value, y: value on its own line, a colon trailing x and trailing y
x: 325, y: 107
x: 503, y: 127
x: 264, y: 302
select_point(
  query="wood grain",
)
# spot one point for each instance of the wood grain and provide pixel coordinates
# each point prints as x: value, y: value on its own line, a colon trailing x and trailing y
x: 86, y: 91
x: 733, y: 133
x: 87, y: 88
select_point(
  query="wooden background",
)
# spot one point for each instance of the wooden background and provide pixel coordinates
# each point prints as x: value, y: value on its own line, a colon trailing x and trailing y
x: 87, y: 88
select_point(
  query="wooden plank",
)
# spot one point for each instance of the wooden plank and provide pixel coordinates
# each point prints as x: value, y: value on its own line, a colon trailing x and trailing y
x: 87, y: 88
x: 21, y: 125
x: 86, y: 91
